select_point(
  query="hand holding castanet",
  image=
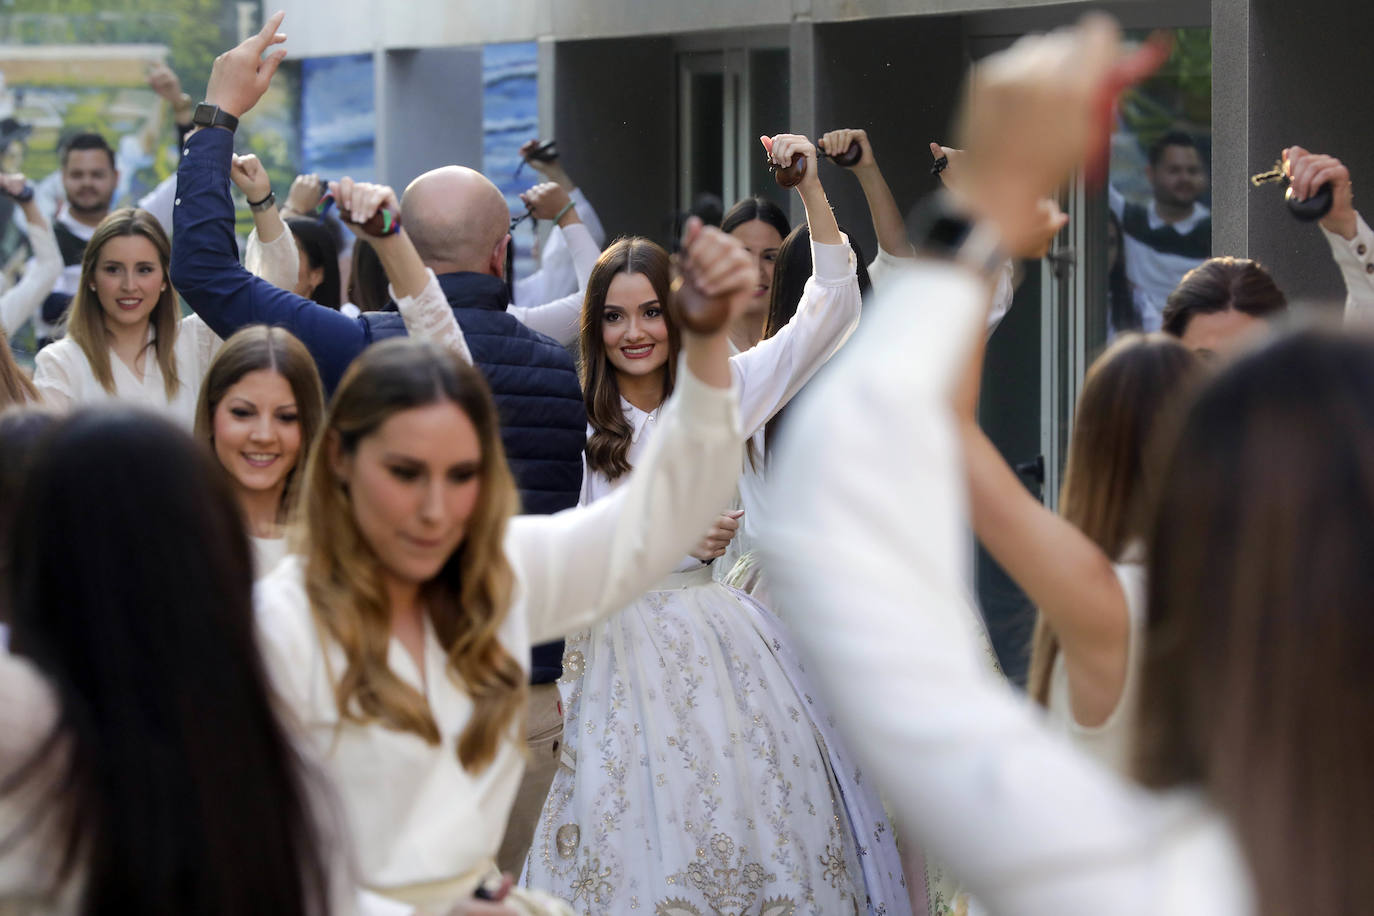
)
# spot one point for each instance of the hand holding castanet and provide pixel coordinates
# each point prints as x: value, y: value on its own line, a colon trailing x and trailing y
x: 712, y: 279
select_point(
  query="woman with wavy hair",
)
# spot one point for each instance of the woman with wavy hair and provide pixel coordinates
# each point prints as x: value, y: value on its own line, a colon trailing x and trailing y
x: 259, y: 411
x: 399, y: 631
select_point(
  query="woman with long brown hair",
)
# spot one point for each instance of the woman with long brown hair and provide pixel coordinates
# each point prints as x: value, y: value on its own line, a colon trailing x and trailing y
x: 399, y: 631
x: 16, y: 388
x: 259, y: 411
x: 1084, y: 568
x: 691, y: 736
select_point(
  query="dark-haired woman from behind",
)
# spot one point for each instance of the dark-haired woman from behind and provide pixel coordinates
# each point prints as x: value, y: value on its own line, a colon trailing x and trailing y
x: 142, y: 765
x: 259, y: 411
x: 1222, y: 305
x: 318, y: 279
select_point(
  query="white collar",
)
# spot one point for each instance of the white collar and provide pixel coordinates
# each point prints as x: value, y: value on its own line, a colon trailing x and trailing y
x: 1183, y: 226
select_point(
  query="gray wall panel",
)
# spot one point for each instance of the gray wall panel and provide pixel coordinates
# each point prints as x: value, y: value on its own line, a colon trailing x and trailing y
x: 621, y: 149
x: 898, y: 79
x: 433, y: 112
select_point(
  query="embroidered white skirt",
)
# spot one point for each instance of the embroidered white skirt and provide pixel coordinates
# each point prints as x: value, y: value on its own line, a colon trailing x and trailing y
x: 700, y: 774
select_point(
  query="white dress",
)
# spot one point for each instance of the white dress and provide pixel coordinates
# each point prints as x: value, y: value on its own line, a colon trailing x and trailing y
x: 426, y: 829
x: 701, y: 773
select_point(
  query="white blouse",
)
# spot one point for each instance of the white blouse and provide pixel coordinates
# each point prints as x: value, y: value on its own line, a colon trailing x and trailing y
x: 870, y: 553
x: 415, y: 813
x: 64, y: 377
x: 1110, y: 742
x: 770, y: 373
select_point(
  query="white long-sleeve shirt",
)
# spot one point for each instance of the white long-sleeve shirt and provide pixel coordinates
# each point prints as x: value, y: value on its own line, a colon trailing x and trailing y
x: 1355, y: 258
x: 557, y: 311
x: 869, y: 552
x: 18, y: 304
x: 558, y: 265
x: 64, y: 377
x: 415, y: 813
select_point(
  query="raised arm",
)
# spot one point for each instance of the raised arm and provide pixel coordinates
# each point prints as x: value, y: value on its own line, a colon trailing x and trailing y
x: 17, y: 305
x: 271, y: 251
x: 873, y: 461
x: 1350, y: 238
x: 559, y: 318
x: 774, y: 370
x: 585, y: 563
x: 205, y: 266
x: 888, y: 224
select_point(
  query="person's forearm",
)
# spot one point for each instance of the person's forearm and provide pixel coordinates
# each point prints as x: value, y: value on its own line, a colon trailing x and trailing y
x: 888, y: 224
x: 402, y: 263
x: 708, y: 357
x: 819, y: 217
x: 269, y: 223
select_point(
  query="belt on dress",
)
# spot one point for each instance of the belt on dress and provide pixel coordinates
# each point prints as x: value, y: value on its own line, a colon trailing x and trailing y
x: 680, y: 580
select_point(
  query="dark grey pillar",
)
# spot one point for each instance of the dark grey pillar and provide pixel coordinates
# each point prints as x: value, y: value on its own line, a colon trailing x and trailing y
x: 1284, y: 75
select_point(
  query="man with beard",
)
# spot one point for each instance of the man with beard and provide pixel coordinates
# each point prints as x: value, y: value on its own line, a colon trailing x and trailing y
x: 89, y: 178
x: 1171, y: 235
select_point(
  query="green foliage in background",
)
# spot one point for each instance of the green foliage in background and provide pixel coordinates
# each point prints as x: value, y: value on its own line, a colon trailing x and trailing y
x: 194, y: 32
x: 1178, y: 96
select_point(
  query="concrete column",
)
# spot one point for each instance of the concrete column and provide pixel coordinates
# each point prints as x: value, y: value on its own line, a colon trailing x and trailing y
x: 1281, y: 77
x: 429, y: 111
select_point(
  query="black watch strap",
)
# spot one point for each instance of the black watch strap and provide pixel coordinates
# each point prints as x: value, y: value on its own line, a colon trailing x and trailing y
x: 207, y: 115
x: 945, y: 232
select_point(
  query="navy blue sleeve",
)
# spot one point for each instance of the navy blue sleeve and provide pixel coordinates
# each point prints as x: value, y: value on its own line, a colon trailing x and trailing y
x: 207, y: 273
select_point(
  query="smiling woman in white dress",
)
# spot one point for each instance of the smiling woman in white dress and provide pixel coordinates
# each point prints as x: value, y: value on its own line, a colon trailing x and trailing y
x: 700, y: 775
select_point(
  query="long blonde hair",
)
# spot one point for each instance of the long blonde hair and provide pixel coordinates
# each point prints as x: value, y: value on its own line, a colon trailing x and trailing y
x: 1115, y: 456
x: 467, y: 601
x: 255, y: 348
x: 86, y: 321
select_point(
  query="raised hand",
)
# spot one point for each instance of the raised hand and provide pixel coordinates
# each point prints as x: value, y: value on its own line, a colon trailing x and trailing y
x: 794, y: 170
x: 305, y: 193
x: 837, y: 142
x: 953, y: 173
x: 718, y: 279
x: 552, y: 169
x: 164, y: 81
x: 1307, y: 172
x: 250, y: 177
x: 718, y: 538
x: 241, y: 75
x: 359, y: 201
x: 548, y: 200
x: 13, y: 185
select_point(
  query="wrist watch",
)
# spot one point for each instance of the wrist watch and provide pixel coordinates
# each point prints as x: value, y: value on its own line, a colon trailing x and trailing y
x: 208, y: 115
x: 946, y: 232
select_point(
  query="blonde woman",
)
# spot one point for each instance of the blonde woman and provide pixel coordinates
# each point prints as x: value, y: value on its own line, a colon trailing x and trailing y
x: 400, y: 635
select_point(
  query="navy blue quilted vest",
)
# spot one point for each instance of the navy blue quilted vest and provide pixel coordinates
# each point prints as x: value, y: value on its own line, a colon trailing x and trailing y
x: 535, y: 385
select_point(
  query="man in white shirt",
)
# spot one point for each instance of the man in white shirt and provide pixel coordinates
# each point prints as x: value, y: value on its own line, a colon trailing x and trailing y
x: 1171, y: 235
